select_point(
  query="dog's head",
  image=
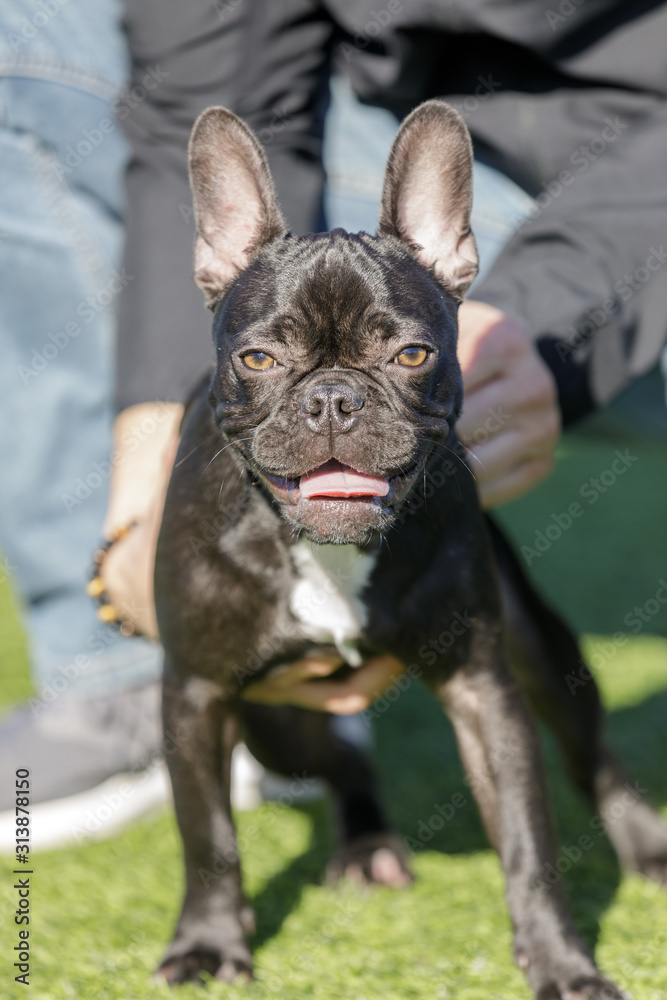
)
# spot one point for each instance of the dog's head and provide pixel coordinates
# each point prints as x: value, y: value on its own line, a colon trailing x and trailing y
x: 336, y: 353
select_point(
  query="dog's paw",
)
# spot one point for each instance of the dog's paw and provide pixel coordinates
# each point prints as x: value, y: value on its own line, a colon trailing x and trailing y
x: 377, y: 859
x: 189, y: 968
x: 640, y: 838
x: 572, y: 975
x: 654, y: 869
x: 651, y: 864
x: 593, y: 987
x: 197, y: 952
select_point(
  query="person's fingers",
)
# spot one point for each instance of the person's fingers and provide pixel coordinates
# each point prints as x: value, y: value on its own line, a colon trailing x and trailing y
x: 489, y: 343
x: 515, y: 483
x: 354, y: 694
x: 343, y: 697
x: 276, y: 688
x: 510, y: 426
x: 490, y: 408
x: 327, y: 697
x: 305, y: 669
x: 486, y: 412
x: 266, y: 693
x: 526, y: 441
x: 128, y: 576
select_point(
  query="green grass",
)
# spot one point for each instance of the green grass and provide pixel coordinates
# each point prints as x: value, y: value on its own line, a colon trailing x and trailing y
x: 102, y: 913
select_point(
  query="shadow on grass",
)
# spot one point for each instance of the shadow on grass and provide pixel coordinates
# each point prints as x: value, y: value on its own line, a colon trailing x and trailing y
x: 282, y: 893
x: 419, y: 769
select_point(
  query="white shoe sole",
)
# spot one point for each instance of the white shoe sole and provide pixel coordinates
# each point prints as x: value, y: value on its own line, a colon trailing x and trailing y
x: 95, y: 814
x: 107, y: 809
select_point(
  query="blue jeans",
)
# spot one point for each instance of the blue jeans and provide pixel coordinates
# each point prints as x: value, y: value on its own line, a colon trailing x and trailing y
x: 357, y: 143
x: 62, y: 66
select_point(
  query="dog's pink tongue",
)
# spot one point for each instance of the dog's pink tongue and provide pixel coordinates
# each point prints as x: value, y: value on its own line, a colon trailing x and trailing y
x: 335, y: 480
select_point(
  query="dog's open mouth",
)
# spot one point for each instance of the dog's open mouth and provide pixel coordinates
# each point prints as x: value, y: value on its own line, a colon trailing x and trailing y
x: 335, y: 502
x: 335, y: 480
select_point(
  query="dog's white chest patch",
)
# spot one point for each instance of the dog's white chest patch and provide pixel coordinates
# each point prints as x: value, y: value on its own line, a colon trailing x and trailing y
x: 326, y: 599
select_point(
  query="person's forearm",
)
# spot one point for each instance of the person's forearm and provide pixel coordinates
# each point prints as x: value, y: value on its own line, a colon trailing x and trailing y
x: 587, y: 276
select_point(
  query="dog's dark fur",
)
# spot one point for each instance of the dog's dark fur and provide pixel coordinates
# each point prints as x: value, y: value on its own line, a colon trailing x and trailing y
x: 334, y: 311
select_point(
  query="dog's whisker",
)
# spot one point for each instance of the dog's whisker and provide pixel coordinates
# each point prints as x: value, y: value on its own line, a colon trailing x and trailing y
x: 178, y: 464
x: 460, y: 458
x: 476, y: 458
x: 218, y: 453
x: 213, y: 460
x: 224, y: 480
x: 441, y: 444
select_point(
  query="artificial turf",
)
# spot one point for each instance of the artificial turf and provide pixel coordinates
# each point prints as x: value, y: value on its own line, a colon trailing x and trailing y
x: 103, y: 912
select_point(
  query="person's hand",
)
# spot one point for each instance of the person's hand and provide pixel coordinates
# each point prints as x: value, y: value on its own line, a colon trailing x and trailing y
x: 297, y: 684
x: 145, y: 444
x: 510, y: 422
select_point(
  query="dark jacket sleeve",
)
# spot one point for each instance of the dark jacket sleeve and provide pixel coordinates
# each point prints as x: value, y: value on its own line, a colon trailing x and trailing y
x: 587, y: 275
x: 266, y: 62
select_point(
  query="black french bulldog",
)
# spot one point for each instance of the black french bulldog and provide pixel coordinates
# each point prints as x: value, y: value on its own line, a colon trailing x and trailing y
x: 336, y: 393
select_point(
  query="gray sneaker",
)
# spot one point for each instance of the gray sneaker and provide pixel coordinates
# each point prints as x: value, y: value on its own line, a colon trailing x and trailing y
x: 98, y: 764
x: 95, y: 765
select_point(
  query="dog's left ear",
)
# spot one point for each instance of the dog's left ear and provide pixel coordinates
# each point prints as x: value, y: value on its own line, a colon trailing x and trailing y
x: 427, y: 193
x: 236, y: 209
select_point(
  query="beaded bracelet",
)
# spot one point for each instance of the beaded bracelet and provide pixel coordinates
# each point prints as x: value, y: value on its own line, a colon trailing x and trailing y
x: 107, y: 612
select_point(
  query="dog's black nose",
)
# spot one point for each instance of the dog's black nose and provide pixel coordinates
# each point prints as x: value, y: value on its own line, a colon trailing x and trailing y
x: 331, y: 406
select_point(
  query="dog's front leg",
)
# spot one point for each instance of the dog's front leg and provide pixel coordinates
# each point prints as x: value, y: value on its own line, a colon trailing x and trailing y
x: 500, y: 751
x: 200, y: 728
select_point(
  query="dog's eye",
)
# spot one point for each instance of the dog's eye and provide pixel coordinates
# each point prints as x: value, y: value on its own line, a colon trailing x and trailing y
x: 258, y: 361
x: 412, y: 357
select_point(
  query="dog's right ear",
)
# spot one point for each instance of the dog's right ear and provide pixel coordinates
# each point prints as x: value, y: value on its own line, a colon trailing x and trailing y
x: 236, y: 209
